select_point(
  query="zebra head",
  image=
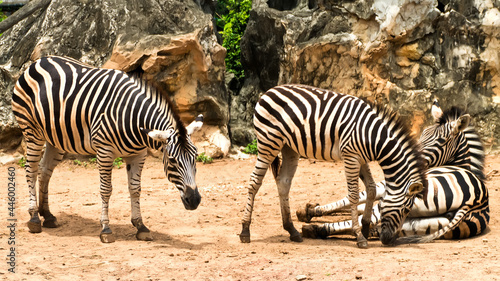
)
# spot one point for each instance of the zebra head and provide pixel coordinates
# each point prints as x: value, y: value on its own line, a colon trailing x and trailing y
x: 394, y: 210
x: 179, y: 160
x: 445, y: 141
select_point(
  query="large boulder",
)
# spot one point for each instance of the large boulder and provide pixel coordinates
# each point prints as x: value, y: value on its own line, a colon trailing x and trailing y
x: 404, y: 53
x: 173, y: 42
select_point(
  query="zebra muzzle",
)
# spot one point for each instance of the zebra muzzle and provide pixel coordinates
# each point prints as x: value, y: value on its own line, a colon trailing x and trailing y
x: 191, y: 198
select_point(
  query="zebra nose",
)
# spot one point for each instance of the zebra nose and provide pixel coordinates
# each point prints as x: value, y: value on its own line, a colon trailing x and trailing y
x: 387, y: 236
x: 191, y: 198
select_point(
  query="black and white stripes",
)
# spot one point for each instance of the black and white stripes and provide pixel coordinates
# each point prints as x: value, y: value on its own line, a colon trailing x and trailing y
x: 304, y: 121
x: 75, y: 108
x: 455, y: 205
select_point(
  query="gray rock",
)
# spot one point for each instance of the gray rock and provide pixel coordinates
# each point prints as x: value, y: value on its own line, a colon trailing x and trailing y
x: 113, y: 33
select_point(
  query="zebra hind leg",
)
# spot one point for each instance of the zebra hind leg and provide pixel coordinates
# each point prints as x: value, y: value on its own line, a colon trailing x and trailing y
x: 51, y: 158
x: 105, y: 163
x: 256, y: 178
x: 134, y: 170
x: 34, y: 150
x: 284, y: 182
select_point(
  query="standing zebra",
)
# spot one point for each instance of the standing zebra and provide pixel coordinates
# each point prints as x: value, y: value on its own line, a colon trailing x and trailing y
x: 75, y: 108
x: 315, y: 123
x: 456, y: 204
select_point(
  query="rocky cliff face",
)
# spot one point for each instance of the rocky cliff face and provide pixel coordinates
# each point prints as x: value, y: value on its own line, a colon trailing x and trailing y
x: 172, y: 41
x: 401, y: 52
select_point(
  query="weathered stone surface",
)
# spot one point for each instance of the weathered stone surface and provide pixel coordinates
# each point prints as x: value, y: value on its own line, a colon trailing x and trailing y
x: 401, y: 52
x: 172, y: 41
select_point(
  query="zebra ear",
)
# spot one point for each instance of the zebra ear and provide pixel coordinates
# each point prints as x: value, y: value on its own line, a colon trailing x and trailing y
x: 415, y: 189
x: 158, y: 135
x: 461, y: 123
x: 195, y: 125
x: 436, y: 111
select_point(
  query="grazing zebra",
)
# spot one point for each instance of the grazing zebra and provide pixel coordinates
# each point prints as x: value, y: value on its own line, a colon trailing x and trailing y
x: 448, y: 191
x: 455, y: 206
x: 75, y: 108
x: 315, y: 123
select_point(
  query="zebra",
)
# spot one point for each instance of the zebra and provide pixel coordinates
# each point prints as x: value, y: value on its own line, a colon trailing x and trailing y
x: 452, y: 140
x: 299, y: 120
x: 74, y: 108
x: 462, y: 147
x: 455, y: 206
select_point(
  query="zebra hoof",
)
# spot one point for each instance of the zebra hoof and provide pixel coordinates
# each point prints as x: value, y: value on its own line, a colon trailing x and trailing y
x: 245, y: 238
x: 107, y: 237
x: 309, y: 231
x: 144, y: 236
x: 296, y: 237
x: 304, y: 215
x: 50, y: 222
x: 35, y: 226
x: 362, y: 244
x: 245, y: 233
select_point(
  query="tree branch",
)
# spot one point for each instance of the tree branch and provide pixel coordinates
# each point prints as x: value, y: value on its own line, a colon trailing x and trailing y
x: 26, y: 11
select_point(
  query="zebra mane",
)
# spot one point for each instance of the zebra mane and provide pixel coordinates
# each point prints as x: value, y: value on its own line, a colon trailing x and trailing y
x: 476, y: 149
x: 396, y: 123
x: 138, y: 74
x: 451, y: 114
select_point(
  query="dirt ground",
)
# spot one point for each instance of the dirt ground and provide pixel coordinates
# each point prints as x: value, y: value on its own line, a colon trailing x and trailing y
x: 204, y: 244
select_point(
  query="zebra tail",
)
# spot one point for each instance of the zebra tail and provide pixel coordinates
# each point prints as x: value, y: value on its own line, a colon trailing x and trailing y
x: 275, y: 166
x: 459, y: 217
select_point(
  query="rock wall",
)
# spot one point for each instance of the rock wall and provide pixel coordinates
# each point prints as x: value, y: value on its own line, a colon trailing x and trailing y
x: 401, y: 52
x: 172, y: 41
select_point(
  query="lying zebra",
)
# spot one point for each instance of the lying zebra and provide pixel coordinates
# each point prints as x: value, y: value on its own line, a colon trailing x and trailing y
x: 456, y: 203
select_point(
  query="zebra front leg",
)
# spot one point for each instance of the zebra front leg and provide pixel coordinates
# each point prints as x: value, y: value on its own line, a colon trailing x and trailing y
x: 34, y: 150
x: 256, y: 178
x: 51, y: 158
x: 105, y: 163
x: 352, y: 170
x: 371, y: 193
x: 284, y: 182
x: 134, y: 170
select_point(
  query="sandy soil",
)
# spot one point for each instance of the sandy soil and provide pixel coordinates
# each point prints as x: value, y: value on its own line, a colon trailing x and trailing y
x: 204, y: 244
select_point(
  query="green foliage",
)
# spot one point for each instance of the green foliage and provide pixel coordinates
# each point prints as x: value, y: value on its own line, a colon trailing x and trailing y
x: 118, y: 162
x: 251, y: 148
x: 232, y: 18
x: 2, y: 17
x: 22, y: 162
x: 204, y: 158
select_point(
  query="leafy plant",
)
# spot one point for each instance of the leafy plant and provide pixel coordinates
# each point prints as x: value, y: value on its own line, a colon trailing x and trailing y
x: 251, y: 148
x: 118, y: 162
x: 2, y: 17
x: 204, y: 158
x: 22, y: 162
x: 232, y: 17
